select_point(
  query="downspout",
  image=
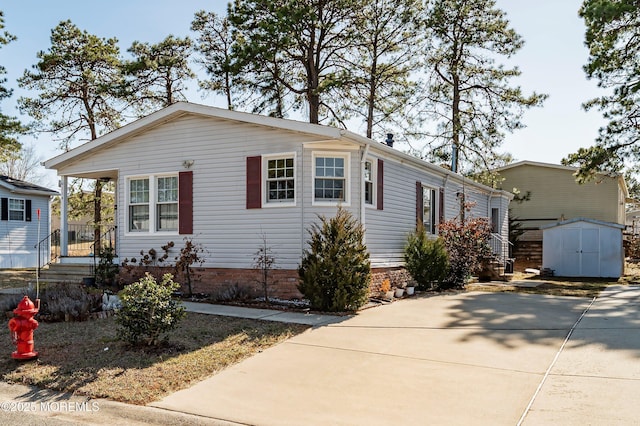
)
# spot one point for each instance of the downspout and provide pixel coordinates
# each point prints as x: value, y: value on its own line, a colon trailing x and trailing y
x: 64, y: 234
x: 363, y: 160
x: 444, y: 187
x: 302, y: 178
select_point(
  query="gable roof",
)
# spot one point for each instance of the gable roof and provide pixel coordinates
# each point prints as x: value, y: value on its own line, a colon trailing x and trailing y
x: 180, y: 109
x: 582, y: 219
x: 536, y: 164
x: 22, y: 187
x: 621, y: 181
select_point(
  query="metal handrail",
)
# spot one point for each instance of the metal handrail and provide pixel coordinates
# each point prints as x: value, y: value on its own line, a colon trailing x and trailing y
x: 52, y: 243
x: 501, y: 248
x: 109, y: 237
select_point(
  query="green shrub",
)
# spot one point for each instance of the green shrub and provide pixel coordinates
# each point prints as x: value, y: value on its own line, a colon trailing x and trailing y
x: 335, y: 271
x: 426, y: 259
x: 148, y: 310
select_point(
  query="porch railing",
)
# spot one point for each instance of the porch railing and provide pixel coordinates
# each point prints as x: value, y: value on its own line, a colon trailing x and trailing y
x: 106, y: 240
x: 80, y: 243
x: 48, y: 249
x: 502, y: 250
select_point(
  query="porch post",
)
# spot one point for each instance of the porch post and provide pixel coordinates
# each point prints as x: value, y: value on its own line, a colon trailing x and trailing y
x: 64, y: 225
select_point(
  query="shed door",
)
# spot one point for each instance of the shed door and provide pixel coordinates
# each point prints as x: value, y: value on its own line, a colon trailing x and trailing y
x: 590, y: 250
x: 570, y: 252
x: 580, y: 252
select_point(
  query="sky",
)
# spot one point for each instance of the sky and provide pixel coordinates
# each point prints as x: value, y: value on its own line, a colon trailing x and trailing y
x: 551, y: 60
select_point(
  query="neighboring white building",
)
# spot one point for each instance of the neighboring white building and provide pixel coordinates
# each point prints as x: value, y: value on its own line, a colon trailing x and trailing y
x: 225, y: 178
x: 583, y: 247
x: 20, y: 224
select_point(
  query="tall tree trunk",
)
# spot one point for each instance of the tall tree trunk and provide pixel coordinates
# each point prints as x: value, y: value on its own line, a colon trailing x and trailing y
x: 371, y: 101
x: 456, y: 125
x: 97, y: 216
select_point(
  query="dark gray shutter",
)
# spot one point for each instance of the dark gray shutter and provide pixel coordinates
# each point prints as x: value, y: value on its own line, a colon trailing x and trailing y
x: 4, y: 215
x: 380, y: 185
x: 27, y: 210
x: 419, y: 204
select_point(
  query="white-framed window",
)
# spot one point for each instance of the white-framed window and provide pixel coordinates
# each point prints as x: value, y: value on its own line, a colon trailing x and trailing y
x: 167, y: 203
x: 331, y: 178
x: 429, y: 203
x: 279, y: 179
x: 16, y: 209
x: 158, y: 194
x: 138, y: 199
x: 369, y: 182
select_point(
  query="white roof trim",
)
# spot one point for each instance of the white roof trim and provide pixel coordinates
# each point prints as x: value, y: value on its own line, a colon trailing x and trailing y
x: 324, y: 133
x: 582, y: 219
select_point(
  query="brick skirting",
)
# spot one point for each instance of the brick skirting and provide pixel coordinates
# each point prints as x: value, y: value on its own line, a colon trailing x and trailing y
x: 228, y: 283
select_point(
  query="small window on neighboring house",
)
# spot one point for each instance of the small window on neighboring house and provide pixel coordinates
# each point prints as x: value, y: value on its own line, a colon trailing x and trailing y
x: 330, y: 178
x: 16, y: 209
x: 167, y: 204
x: 368, y: 182
x: 280, y: 180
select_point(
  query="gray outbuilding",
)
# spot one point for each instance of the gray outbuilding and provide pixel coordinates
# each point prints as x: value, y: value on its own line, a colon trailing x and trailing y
x: 583, y: 247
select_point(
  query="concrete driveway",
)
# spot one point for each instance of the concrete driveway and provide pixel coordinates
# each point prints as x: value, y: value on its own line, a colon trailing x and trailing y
x: 454, y: 359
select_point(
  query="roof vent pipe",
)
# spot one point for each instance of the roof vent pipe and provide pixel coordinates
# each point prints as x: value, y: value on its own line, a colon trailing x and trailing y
x: 389, y: 140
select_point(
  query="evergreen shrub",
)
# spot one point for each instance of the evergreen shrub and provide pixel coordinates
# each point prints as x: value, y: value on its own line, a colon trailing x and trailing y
x: 335, y: 271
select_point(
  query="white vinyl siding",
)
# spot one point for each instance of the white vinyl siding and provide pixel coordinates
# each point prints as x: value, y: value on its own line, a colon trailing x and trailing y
x: 229, y: 231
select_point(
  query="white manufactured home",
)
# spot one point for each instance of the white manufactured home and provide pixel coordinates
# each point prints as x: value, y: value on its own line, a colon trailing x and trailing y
x: 24, y: 218
x: 225, y: 179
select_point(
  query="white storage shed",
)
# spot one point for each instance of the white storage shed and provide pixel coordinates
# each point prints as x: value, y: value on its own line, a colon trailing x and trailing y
x: 583, y: 247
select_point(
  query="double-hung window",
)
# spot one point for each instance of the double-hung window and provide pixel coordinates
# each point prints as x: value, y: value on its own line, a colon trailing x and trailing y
x: 167, y: 204
x: 157, y: 194
x: 368, y: 182
x: 280, y: 179
x: 16, y: 209
x: 139, y: 205
x: 429, y: 209
x: 330, y: 183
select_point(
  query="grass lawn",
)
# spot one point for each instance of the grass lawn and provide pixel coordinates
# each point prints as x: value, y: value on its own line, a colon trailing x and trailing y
x: 86, y: 358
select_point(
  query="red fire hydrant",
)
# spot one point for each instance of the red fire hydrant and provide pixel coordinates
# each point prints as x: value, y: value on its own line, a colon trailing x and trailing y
x: 21, y: 327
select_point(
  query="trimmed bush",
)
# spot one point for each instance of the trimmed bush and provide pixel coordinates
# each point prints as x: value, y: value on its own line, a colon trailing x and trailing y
x: 335, y: 271
x: 426, y: 259
x: 148, y: 310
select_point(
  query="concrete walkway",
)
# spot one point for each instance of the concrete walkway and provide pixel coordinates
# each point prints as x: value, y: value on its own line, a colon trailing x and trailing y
x: 264, y: 314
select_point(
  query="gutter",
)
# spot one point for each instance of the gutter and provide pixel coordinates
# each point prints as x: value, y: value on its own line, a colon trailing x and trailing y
x: 363, y: 207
